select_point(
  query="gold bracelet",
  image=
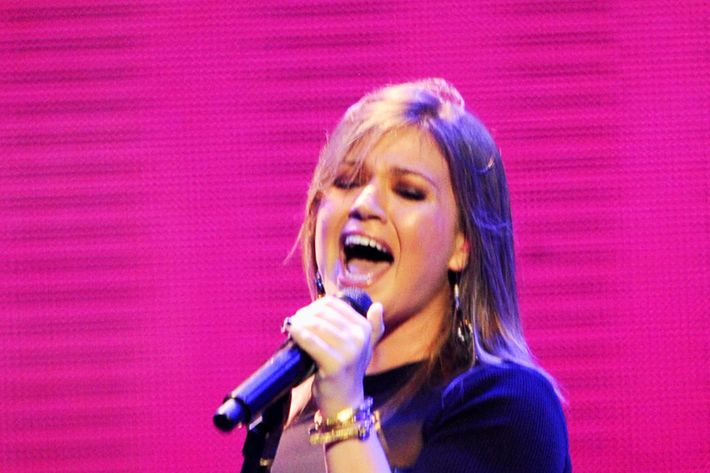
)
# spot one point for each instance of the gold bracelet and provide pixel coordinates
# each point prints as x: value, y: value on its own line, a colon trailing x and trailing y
x: 347, y: 424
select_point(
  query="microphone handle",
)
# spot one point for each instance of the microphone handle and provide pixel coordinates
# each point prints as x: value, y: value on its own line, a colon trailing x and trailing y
x: 287, y: 368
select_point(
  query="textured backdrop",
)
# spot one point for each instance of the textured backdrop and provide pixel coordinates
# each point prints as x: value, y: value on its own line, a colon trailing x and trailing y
x: 153, y: 162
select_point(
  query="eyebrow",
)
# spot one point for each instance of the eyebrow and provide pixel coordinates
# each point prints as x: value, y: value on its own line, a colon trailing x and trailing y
x: 399, y: 171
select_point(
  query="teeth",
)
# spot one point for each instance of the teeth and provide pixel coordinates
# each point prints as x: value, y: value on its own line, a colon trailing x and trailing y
x: 352, y: 240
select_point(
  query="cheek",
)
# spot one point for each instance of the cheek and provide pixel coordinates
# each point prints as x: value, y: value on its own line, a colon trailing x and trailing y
x: 325, y: 232
x: 416, y: 233
x: 429, y: 239
x: 321, y: 231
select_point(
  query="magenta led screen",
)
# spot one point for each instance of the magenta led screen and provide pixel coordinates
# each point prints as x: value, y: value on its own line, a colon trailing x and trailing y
x: 154, y: 158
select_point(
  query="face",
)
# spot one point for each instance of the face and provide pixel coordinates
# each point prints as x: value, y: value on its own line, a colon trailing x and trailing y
x: 391, y: 227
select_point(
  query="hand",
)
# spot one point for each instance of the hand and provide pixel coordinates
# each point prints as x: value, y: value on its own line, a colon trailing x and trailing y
x: 341, y: 342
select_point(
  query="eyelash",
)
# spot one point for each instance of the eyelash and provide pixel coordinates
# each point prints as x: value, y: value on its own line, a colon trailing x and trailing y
x: 405, y: 191
x: 410, y: 193
x: 346, y: 182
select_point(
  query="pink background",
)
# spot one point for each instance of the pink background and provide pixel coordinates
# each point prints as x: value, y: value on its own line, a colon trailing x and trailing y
x: 153, y: 163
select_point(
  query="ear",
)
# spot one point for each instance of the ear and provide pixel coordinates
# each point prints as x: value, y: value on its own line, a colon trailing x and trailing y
x: 459, y: 257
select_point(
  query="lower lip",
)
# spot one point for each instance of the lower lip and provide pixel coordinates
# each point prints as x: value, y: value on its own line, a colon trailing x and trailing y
x: 347, y: 280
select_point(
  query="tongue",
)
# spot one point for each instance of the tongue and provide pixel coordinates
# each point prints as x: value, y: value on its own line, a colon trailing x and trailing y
x: 360, y: 267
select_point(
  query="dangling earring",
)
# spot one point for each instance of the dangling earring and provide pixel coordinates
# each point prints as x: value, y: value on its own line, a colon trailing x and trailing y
x: 320, y: 289
x: 457, y: 299
x: 464, y: 330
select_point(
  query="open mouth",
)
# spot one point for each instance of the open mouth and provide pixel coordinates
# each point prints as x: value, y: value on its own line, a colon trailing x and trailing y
x: 365, y: 258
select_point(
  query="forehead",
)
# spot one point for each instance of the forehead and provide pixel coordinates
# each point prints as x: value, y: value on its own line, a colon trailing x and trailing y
x: 401, y: 149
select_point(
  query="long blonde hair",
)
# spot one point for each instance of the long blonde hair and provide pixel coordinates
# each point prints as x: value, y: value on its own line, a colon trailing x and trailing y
x: 488, y: 293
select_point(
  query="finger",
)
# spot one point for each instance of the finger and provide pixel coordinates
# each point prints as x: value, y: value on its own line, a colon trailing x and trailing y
x: 336, y: 335
x: 356, y: 328
x: 336, y: 312
x: 325, y: 305
x: 375, y: 315
x: 345, y: 311
x: 322, y: 353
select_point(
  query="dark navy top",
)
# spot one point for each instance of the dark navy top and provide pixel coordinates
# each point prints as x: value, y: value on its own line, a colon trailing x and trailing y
x: 503, y: 418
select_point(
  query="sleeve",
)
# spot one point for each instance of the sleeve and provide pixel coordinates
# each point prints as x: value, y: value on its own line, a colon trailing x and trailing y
x: 508, y: 419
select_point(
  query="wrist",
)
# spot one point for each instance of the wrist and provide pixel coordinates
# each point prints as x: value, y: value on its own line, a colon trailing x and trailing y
x: 346, y: 424
x: 332, y: 408
x: 331, y: 403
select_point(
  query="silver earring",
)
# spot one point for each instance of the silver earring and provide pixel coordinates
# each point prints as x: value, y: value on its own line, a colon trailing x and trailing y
x: 464, y: 330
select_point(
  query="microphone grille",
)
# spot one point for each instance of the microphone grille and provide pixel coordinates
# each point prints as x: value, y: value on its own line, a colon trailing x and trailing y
x: 357, y: 298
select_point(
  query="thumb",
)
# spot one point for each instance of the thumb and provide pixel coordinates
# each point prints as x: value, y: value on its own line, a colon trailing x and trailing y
x: 375, y: 316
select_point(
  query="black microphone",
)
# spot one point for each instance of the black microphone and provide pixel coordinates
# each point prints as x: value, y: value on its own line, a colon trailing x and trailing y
x: 288, y: 367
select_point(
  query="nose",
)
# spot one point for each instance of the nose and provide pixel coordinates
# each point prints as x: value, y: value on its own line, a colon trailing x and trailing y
x: 368, y: 204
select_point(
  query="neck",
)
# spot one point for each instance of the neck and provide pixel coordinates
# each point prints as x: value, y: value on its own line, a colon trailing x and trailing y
x: 410, y: 341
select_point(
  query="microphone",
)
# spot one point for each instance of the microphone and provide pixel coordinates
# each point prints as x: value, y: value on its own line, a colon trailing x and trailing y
x: 285, y: 369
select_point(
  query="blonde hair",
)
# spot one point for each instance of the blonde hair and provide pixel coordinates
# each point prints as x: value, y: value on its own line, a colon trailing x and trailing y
x: 488, y: 293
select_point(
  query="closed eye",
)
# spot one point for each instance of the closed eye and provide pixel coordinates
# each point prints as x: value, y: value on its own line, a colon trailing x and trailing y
x: 347, y: 181
x: 410, y: 193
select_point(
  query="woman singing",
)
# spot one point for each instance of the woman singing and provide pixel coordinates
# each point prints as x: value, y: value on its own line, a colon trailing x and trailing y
x: 409, y: 202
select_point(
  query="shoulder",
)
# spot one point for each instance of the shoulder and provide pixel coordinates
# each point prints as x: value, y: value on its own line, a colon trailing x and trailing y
x: 505, y: 393
x: 506, y: 384
x: 508, y: 413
